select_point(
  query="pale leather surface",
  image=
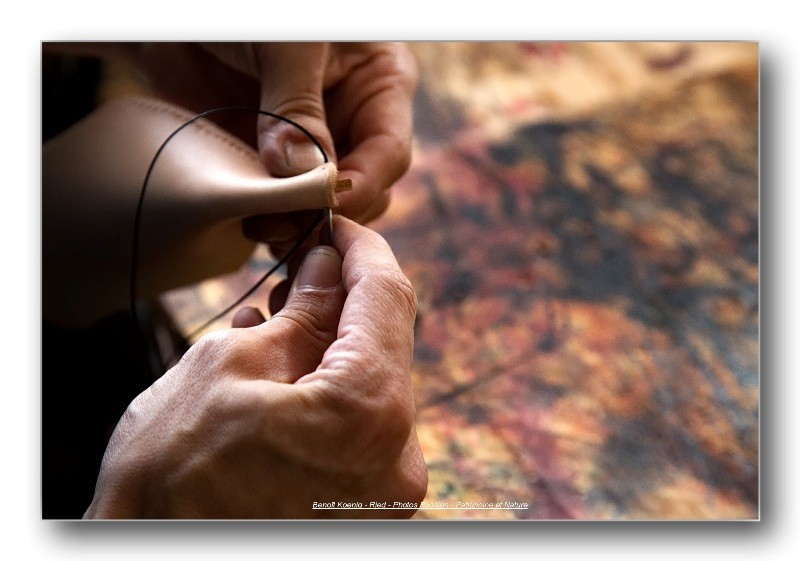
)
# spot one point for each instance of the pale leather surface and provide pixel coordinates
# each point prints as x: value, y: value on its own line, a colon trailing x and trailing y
x: 204, y: 183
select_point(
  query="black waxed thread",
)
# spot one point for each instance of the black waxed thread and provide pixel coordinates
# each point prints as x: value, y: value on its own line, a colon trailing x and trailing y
x: 140, y: 205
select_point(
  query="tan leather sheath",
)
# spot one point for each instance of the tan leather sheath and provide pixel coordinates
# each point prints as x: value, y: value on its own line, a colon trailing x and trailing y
x: 204, y: 183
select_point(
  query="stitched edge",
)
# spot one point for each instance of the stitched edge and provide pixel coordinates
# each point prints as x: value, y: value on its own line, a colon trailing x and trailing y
x: 204, y: 126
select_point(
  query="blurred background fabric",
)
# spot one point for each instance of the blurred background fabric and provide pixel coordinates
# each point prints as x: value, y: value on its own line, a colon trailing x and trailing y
x: 581, y: 225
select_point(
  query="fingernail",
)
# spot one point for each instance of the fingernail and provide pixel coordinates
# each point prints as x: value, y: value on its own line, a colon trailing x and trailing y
x: 302, y: 156
x: 288, y: 151
x: 322, y: 268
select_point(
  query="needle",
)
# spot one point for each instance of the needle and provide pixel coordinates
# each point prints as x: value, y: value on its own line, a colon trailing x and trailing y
x: 329, y: 241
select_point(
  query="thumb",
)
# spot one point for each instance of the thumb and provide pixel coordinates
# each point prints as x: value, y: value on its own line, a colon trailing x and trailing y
x: 292, y: 81
x: 303, y: 330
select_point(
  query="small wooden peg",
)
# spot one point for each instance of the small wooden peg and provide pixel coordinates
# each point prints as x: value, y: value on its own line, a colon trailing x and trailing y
x: 343, y: 185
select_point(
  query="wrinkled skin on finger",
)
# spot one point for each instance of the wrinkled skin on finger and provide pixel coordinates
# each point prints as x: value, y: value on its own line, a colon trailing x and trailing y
x: 269, y: 417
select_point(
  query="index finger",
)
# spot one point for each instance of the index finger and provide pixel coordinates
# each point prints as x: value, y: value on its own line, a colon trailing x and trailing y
x: 375, y: 106
x: 375, y: 339
x: 355, y: 412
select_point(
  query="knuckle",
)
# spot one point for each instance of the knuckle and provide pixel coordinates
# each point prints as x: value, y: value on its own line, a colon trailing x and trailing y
x: 228, y: 404
x: 395, y: 284
x: 400, y: 147
x: 409, y: 67
x: 222, y: 353
x: 135, y: 412
x: 398, y: 61
x: 209, y: 350
x: 300, y: 102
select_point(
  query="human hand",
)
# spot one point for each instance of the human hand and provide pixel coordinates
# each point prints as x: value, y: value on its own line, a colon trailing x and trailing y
x: 355, y: 98
x: 262, y: 420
